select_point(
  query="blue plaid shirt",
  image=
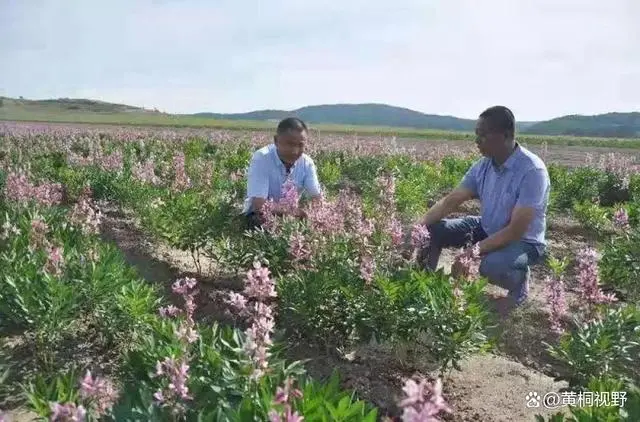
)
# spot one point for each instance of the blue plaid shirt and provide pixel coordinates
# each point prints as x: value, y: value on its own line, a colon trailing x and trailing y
x: 522, y: 181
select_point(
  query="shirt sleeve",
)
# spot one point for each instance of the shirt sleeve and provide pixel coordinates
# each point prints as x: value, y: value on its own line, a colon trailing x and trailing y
x: 470, y: 179
x: 311, y: 183
x: 534, y: 189
x: 257, y: 179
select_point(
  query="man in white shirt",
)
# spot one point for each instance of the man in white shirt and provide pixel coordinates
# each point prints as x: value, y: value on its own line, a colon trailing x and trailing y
x: 273, y: 164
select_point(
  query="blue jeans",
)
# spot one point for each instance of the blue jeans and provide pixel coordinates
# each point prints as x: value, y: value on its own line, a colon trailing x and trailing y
x: 507, y: 267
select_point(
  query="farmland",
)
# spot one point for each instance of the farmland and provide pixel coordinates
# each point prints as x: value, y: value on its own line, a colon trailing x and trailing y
x: 122, y: 254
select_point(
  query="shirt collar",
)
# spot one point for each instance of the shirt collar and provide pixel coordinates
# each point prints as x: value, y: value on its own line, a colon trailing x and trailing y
x: 278, y: 161
x: 510, y: 161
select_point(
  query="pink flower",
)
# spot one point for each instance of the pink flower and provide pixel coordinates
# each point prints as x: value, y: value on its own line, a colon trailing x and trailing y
x: 85, y: 214
x: 423, y: 402
x: 113, y: 162
x: 621, y: 219
x: 101, y: 392
x: 299, y: 250
x: 420, y: 236
x: 183, y: 286
x: 55, y: 260
x: 290, y: 196
x: 589, y: 278
x: 396, y: 232
x: 68, y: 412
x: 145, y: 173
x: 557, y: 302
x: 186, y: 333
x: 237, y: 301
x: 282, y: 397
x: 181, y: 179
x: 468, y: 262
x: 177, y: 372
x: 325, y: 218
x: 169, y: 311
x: 282, y: 393
x: 17, y: 187
x: 258, y: 285
x: 48, y: 194
x: 367, y: 268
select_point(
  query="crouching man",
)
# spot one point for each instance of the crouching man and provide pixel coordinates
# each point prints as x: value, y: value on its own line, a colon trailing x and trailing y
x: 273, y: 164
x: 513, y: 186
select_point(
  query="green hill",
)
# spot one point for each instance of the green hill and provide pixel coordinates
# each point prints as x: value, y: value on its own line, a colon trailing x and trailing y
x: 355, y: 116
x: 610, y: 125
x: 358, y: 114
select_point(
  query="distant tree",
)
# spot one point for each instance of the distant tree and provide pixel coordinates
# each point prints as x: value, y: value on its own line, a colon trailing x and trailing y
x: 1, y: 102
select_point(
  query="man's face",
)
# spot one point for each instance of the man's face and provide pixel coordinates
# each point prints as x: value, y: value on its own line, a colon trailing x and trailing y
x: 291, y: 145
x: 489, y: 141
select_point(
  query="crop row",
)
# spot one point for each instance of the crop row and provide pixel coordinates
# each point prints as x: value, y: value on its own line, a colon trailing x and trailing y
x: 346, y: 275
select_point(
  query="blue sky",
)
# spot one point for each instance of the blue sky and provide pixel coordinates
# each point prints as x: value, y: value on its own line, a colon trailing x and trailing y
x: 542, y: 58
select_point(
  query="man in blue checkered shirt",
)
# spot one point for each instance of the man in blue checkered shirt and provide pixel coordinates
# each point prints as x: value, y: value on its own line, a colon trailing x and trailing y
x: 512, y: 184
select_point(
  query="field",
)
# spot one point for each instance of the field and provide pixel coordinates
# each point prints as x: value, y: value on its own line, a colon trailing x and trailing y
x: 122, y: 254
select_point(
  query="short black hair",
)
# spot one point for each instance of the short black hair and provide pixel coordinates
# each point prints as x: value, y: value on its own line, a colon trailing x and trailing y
x: 500, y: 118
x: 291, y: 123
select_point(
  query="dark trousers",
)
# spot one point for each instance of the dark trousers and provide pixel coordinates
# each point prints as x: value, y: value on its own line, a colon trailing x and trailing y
x: 252, y: 221
x: 507, y: 267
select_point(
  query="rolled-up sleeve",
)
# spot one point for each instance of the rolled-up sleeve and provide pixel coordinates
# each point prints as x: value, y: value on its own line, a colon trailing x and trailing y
x: 257, y: 178
x: 534, y: 189
x: 311, y: 182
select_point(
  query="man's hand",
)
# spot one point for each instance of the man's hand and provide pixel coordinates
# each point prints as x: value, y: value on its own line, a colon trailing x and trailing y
x: 521, y: 218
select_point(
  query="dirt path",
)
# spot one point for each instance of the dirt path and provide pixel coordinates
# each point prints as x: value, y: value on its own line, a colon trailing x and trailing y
x: 491, y: 387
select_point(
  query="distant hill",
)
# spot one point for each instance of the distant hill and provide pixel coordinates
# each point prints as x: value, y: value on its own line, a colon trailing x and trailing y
x: 620, y: 125
x: 610, y: 125
x: 357, y: 114
x: 61, y: 105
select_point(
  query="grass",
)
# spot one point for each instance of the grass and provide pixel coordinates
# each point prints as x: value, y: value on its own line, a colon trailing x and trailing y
x: 113, y: 114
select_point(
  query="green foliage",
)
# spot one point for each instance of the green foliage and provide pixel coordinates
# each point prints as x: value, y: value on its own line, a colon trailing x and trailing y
x: 620, y: 264
x: 331, y: 305
x: 592, y: 216
x: 609, y: 346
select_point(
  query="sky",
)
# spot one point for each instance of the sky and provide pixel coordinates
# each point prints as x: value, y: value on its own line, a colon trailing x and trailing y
x: 541, y: 58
